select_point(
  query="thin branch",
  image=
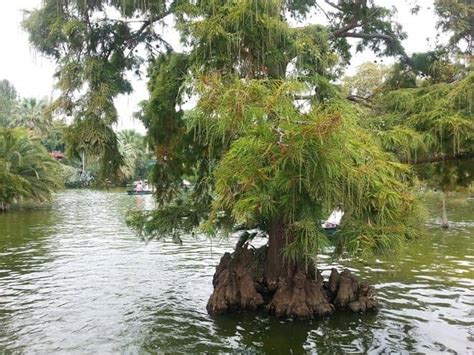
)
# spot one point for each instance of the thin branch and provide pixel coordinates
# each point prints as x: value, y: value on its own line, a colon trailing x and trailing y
x: 440, y: 157
x: 303, y: 97
x: 354, y: 98
x: 340, y: 32
x: 358, y: 97
x: 323, y: 11
x: 360, y: 100
x: 366, y: 36
x: 146, y: 24
x: 330, y: 3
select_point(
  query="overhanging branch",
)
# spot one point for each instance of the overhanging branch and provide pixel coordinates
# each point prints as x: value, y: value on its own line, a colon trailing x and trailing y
x: 339, y: 33
x: 440, y: 157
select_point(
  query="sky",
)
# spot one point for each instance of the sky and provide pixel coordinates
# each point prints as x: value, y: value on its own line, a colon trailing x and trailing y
x: 32, y: 74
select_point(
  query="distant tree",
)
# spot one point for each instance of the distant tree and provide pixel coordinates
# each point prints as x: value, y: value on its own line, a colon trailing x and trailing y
x: 55, y: 140
x: 92, y: 140
x: 457, y: 18
x: 368, y: 78
x: 32, y: 114
x: 133, y: 148
x: 8, y: 97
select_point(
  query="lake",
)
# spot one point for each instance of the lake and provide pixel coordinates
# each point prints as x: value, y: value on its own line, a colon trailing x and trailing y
x: 75, y: 279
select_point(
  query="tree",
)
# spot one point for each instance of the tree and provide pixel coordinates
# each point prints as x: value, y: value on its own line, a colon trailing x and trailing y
x: 132, y: 146
x: 55, y: 140
x: 91, y: 139
x: 94, y: 50
x: 267, y: 165
x: 26, y: 169
x: 368, y: 78
x: 431, y: 126
x: 457, y: 18
x: 8, y: 97
x: 272, y: 143
x: 31, y: 114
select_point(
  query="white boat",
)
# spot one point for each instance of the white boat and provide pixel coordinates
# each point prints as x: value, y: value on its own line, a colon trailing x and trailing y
x: 334, y: 220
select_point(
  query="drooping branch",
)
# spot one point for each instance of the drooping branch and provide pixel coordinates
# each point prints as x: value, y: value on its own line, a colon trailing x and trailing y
x: 440, y: 157
x: 354, y: 98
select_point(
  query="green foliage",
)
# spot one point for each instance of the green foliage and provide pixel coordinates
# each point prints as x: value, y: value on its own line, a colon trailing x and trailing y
x: 253, y: 156
x: 134, y: 150
x: 428, y: 122
x: 427, y: 68
x: 8, y: 97
x: 32, y: 114
x: 95, y: 138
x: 368, y: 79
x: 180, y: 216
x: 26, y: 169
x: 296, y: 167
x: 93, y: 53
x: 55, y: 140
x: 457, y: 18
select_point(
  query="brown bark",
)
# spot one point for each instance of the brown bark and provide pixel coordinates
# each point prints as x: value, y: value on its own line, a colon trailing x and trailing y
x: 234, y: 285
x: 300, y: 296
x: 275, y: 264
x: 250, y: 279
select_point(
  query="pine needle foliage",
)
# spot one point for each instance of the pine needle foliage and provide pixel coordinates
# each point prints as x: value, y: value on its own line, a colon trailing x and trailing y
x: 285, y: 165
x: 256, y: 157
x: 437, y: 120
x: 252, y: 155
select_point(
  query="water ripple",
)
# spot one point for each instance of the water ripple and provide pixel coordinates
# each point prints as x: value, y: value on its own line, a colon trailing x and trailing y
x: 77, y: 279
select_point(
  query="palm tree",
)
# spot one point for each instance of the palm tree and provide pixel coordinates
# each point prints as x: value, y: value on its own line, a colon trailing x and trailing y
x: 132, y: 146
x: 31, y: 114
x: 26, y: 169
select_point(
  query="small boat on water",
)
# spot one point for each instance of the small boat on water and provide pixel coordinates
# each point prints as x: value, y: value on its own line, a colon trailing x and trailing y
x: 140, y: 187
x: 143, y: 192
x: 334, y: 220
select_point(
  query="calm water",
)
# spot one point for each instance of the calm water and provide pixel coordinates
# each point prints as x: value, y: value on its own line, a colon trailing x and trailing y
x: 76, y: 279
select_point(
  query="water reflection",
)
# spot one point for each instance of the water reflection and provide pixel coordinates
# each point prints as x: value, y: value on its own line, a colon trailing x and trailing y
x: 77, y: 279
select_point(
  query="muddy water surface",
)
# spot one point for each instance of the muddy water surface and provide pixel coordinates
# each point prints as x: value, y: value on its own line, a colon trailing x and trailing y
x: 76, y: 279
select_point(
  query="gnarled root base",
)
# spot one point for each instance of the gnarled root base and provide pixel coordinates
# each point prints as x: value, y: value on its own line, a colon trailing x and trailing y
x: 299, y: 296
x: 234, y: 285
x: 239, y: 284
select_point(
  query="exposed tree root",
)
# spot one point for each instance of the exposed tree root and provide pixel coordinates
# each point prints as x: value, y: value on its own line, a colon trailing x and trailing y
x: 234, y: 285
x: 240, y: 285
x: 349, y: 293
x: 299, y: 296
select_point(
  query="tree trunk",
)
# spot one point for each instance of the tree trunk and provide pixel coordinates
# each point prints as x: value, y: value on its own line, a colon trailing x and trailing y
x: 444, y: 222
x: 83, y: 162
x: 275, y: 265
x: 250, y: 279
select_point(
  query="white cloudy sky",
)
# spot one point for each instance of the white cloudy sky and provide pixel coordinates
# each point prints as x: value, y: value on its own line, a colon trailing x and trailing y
x: 31, y: 74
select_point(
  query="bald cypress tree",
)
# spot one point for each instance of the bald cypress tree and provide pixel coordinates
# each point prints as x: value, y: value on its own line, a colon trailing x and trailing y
x: 271, y: 146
